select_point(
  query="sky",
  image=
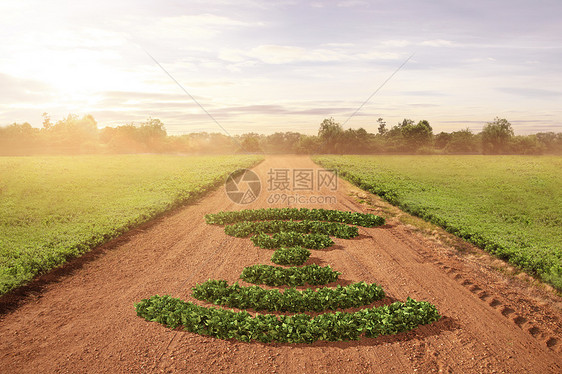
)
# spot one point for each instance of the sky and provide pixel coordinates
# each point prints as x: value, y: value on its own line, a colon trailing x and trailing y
x: 269, y: 66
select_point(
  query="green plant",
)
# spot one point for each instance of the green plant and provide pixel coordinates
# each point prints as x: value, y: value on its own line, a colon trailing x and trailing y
x: 298, y: 328
x: 290, y: 300
x: 312, y: 232
x: 354, y: 218
x: 245, y: 228
x: 510, y: 206
x: 293, y: 276
x: 290, y: 256
x: 291, y: 239
x: 53, y: 208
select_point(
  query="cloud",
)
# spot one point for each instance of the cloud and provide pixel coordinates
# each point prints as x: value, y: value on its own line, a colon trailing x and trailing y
x: 531, y: 92
x: 22, y: 91
x: 396, y: 43
x: 379, y: 55
x: 437, y: 43
x: 286, y: 54
x: 351, y: 3
x: 282, y: 54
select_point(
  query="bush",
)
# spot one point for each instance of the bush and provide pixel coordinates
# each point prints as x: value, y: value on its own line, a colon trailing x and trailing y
x: 245, y: 228
x: 290, y: 300
x: 298, y: 328
x: 290, y: 256
x: 354, y: 218
x: 292, y: 239
x: 293, y: 276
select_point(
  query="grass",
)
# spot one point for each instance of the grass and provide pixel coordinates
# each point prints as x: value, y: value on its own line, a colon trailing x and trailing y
x: 56, y: 208
x: 510, y: 206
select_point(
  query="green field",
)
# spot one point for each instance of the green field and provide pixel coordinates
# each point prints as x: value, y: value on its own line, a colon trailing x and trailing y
x: 55, y: 208
x: 509, y: 205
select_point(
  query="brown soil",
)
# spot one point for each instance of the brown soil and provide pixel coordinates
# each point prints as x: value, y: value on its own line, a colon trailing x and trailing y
x: 81, y: 318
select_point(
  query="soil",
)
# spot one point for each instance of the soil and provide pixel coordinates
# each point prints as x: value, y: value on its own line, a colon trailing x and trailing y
x: 81, y: 317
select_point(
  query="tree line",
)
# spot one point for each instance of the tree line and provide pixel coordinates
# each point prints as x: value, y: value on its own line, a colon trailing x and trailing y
x: 81, y: 135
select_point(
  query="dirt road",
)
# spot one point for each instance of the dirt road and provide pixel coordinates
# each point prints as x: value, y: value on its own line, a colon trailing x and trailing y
x: 81, y: 318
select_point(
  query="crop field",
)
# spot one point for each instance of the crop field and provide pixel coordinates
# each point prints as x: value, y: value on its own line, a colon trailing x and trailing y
x: 510, y: 206
x: 334, y: 287
x: 55, y: 208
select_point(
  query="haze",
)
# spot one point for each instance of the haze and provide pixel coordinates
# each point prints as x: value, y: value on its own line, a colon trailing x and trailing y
x: 283, y: 65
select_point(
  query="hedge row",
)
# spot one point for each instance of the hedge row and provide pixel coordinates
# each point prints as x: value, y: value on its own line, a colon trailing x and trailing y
x: 290, y: 256
x: 290, y: 300
x: 245, y: 228
x: 354, y: 218
x: 292, y: 276
x: 298, y: 328
x: 292, y: 239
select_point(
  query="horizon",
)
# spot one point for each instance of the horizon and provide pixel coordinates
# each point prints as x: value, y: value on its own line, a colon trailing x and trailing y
x: 285, y: 66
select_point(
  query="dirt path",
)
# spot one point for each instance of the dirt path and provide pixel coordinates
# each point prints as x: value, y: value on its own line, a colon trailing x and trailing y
x: 81, y: 318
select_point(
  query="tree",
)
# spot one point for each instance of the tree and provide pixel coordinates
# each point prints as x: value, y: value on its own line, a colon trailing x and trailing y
x: 330, y: 134
x: 72, y: 134
x: 382, y: 127
x: 496, y: 136
x: 250, y: 142
x: 442, y: 140
x: 526, y: 145
x: 462, y: 141
x: 308, y: 144
x: 418, y: 135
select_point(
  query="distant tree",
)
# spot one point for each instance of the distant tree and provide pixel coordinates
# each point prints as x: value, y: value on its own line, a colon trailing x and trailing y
x: 19, y: 139
x: 550, y: 141
x: 280, y: 142
x: 382, y: 127
x: 442, y: 139
x: 496, y: 136
x: 330, y: 134
x: 46, y: 120
x: 357, y: 142
x: 309, y: 144
x: 72, y: 134
x: 462, y: 141
x: 250, y: 142
x: 526, y: 145
x: 417, y: 136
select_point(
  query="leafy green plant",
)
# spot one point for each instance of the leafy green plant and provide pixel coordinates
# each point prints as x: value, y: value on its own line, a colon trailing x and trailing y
x: 312, y: 232
x: 293, y: 276
x: 299, y: 328
x: 290, y: 256
x: 291, y: 239
x: 510, y: 206
x: 246, y: 228
x: 290, y: 300
x: 53, y: 208
x: 354, y: 218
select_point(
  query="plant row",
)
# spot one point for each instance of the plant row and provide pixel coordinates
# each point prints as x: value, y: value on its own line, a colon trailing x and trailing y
x: 354, y: 218
x: 246, y: 228
x: 292, y: 239
x: 290, y: 300
x: 290, y: 256
x: 298, y: 328
x: 292, y: 276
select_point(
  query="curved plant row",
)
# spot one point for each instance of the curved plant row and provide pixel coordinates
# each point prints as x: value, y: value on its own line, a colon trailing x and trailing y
x: 354, y: 218
x: 294, y: 276
x: 246, y: 228
x: 298, y: 328
x: 290, y: 238
x: 290, y: 300
x: 290, y: 256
